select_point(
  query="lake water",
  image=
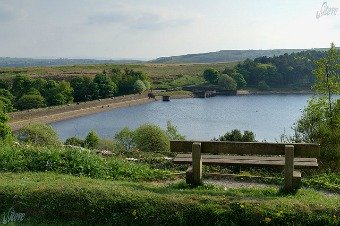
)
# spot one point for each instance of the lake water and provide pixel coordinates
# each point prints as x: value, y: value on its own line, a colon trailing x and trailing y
x: 268, y: 116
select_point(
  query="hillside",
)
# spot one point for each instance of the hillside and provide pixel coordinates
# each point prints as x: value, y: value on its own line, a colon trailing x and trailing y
x: 225, y: 56
x: 31, y: 62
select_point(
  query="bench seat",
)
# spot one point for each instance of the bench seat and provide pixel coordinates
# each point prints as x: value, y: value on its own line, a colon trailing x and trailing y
x: 234, y: 160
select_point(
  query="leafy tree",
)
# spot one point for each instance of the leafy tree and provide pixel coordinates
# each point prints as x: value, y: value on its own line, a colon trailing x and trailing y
x: 320, y: 121
x: 211, y: 75
x: 327, y: 74
x: 38, y: 134
x: 172, y: 132
x: 30, y: 101
x: 125, y: 138
x: 240, y: 81
x: 106, y: 87
x: 263, y: 86
x: 147, y: 85
x: 6, y: 104
x: 236, y: 135
x: 151, y: 138
x: 75, y: 141
x: 5, y: 130
x: 91, y: 140
x: 139, y: 86
x: 227, y: 82
x: 7, y: 94
x: 20, y: 85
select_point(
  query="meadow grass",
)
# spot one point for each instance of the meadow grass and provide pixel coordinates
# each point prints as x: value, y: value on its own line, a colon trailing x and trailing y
x: 52, y: 198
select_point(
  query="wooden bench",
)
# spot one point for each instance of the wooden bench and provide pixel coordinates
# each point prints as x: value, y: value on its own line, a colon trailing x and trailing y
x: 255, y: 154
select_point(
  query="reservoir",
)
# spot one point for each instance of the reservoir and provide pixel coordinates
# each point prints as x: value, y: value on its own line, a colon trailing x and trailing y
x: 268, y: 116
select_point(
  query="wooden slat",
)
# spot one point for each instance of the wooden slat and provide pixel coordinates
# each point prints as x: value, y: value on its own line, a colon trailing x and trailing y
x: 249, y: 157
x: 247, y: 148
x: 248, y: 162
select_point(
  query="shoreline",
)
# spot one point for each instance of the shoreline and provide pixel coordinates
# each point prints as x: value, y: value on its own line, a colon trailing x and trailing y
x: 74, y: 110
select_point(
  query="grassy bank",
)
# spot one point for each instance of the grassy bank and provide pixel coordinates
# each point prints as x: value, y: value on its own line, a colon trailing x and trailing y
x: 62, y: 199
x: 155, y: 71
x: 75, y: 161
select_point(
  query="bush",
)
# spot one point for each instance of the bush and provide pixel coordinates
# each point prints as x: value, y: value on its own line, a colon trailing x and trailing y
x: 139, y: 86
x: 30, y: 101
x: 75, y: 141
x: 227, y: 82
x: 236, y: 135
x: 38, y: 134
x: 125, y: 139
x: 151, y: 138
x: 172, y: 132
x: 91, y: 140
x: 263, y: 86
x: 317, y: 126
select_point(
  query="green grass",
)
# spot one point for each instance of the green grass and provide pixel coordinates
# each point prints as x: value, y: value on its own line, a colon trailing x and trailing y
x: 155, y: 71
x: 74, y: 161
x: 51, y: 198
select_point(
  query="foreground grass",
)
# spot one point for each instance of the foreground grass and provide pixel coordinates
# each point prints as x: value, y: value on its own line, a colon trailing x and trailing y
x: 51, y: 198
x: 74, y: 161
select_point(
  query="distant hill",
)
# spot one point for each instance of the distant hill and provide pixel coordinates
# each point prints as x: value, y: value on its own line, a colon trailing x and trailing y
x: 31, y: 62
x: 224, y: 56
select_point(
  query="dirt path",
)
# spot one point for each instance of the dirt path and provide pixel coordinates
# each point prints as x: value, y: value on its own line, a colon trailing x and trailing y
x: 59, y: 113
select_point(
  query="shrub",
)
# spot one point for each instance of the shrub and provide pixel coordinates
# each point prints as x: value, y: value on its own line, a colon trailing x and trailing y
x: 172, y: 132
x: 125, y: 139
x: 139, y: 86
x: 38, y: 134
x: 75, y: 141
x: 236, y: 135
x: 105, y: 144
x: 227, y: 82
x: 263, y: 86
x: 30, y: 101
x: 91, y: 140
x: 151, y: 138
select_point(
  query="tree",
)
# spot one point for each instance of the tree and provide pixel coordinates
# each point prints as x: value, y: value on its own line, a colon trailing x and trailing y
x: 139, y: 86
x: 125, y: 138
x: 211, y: 75
x: 227, y: 82
x: 240, y: 81
x: 151, y: 138
x: 30, y: 101
x: 38, y: 134
x: 5, y: 130
x: 263, y: 86
x: 91, y: 140
x: 20, y: 85
x: 106, y: 87
x: 236, y: 135
x: 327, y: 74
x: 320, y: 121
x: 172, y: 132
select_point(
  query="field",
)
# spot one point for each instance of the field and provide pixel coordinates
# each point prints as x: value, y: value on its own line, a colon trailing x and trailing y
x: 64, y: 185
x: 155, y: 71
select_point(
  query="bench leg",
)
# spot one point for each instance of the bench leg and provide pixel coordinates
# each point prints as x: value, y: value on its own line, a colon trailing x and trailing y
x: 189, y: 177
x: 289, y: 168
x: 196, y: 164
x: 296, y: 179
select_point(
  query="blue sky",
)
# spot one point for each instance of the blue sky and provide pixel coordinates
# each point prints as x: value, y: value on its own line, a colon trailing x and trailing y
x: 154, y: 28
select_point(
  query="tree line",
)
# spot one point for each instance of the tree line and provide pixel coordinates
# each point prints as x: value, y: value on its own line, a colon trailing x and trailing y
x: 23, y: 92
x: 293, y: 71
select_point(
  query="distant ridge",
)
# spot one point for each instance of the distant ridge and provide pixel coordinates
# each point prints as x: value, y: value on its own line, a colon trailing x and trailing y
x: 225, y: 56
x: 32, y: 62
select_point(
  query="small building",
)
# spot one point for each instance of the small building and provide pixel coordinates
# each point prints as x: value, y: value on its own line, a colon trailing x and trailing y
x: 166, y: 98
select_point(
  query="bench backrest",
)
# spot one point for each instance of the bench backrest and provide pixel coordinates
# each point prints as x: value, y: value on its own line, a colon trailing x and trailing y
x: 247, y: 148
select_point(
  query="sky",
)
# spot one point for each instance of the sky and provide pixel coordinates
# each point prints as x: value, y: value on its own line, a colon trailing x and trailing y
x: 147, y: 29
